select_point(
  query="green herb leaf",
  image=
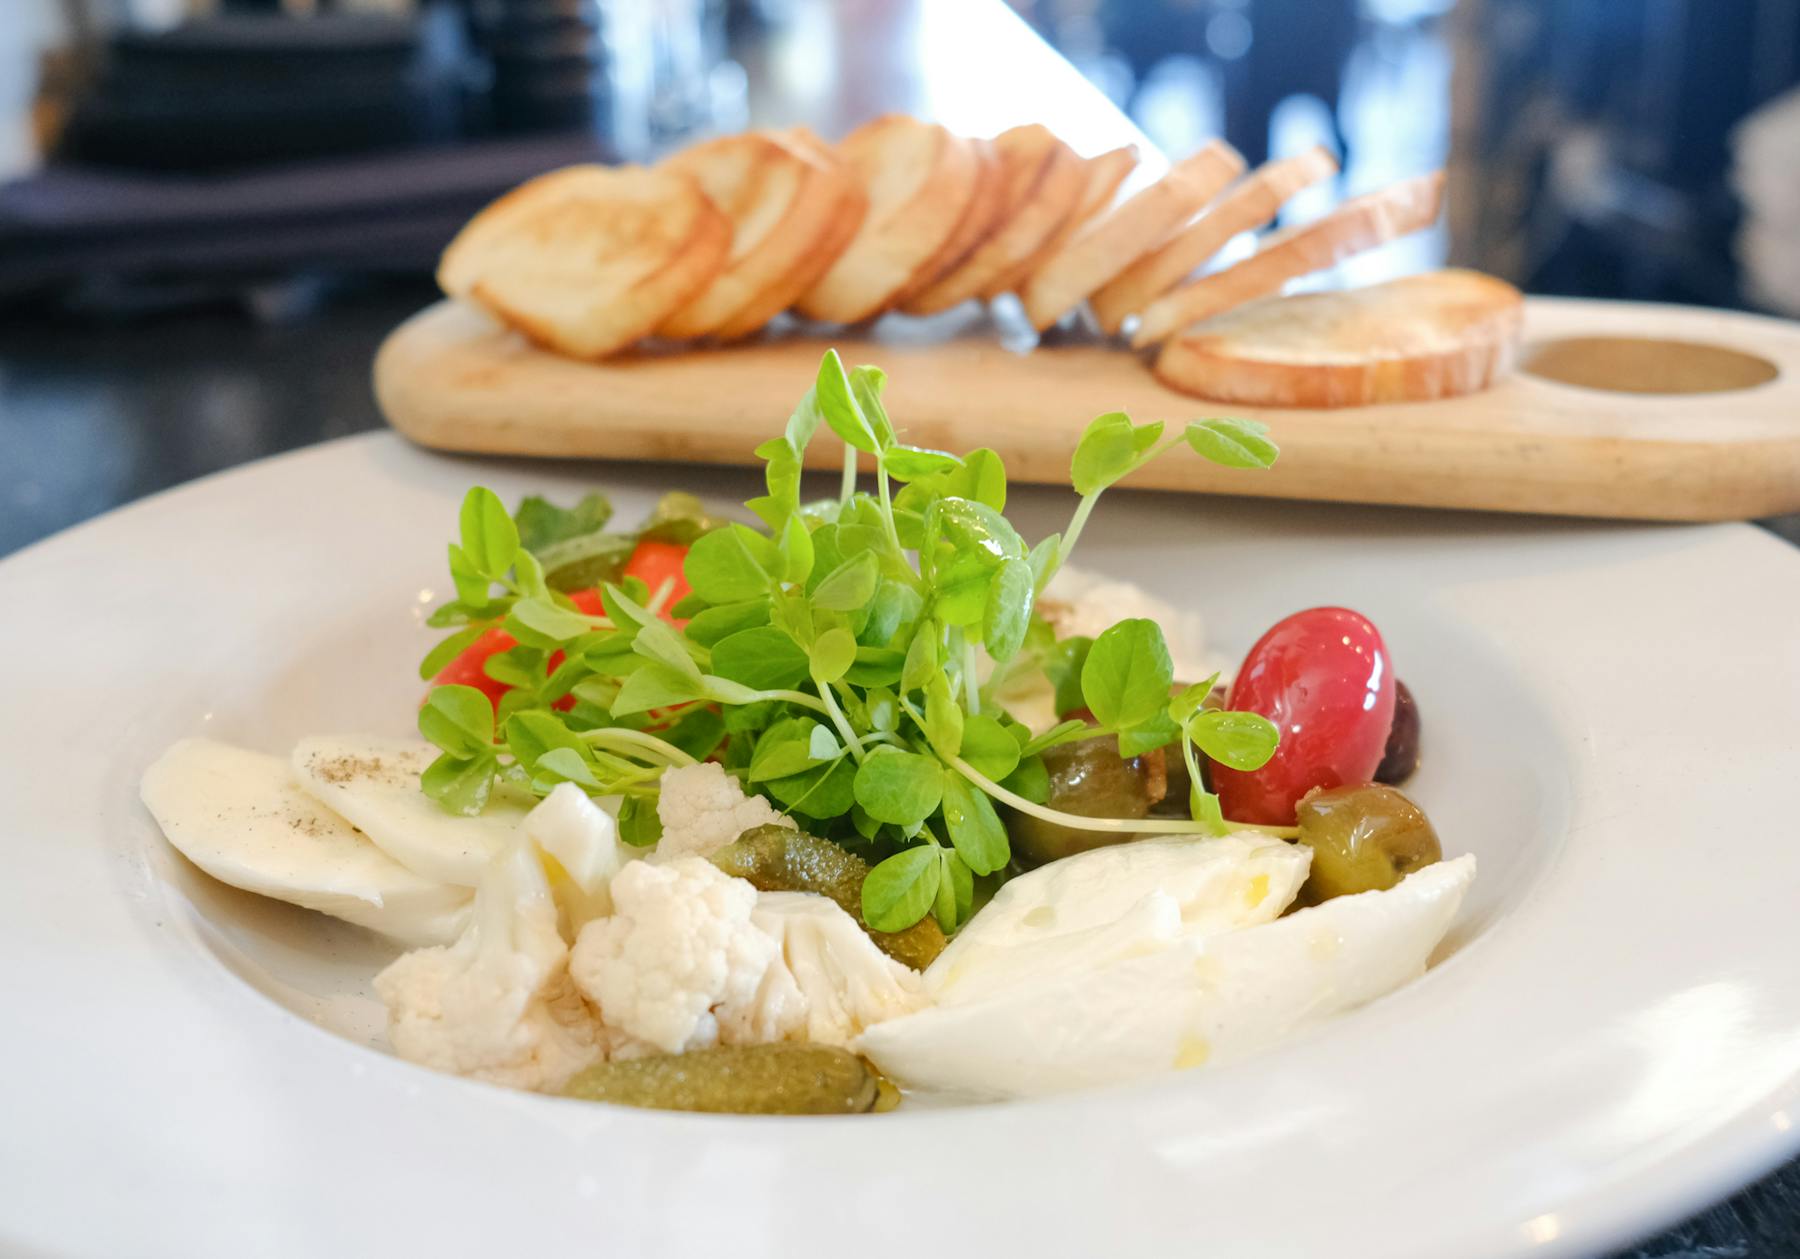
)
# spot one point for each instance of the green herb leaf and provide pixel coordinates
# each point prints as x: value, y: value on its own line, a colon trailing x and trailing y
x: 1242, y: 741
x: 867, y: 385
x: 1009, y: 604
x: 1063, y: 667
x: 541, y: 623
x: 490, y: 540
x: 1111, y: 447
x: 539, y: 522
x: 471, y: 586
x: 895, y: 604
x: 763, y: 658
x: 795, y: 550
x: 1127, y: 675
x: 728, y: 565
x: 560, y: 765
x: 899, y: 787
x: 460, y: 784
x: 824, y: 793
x: 448, y: 650
x: 458, y: 719
x: 832, y: 654
x: 529, y: 735
x: 838, y: 405
x: 1071, y: 731
x: 784, y: 750
x: 713, y: 625
x: 1031, y: 780
x: 655, y: 685
x: 974, y: 827
x: 955, y: 900
x: 1233, y: 443
x: 875, y: 666
x: 905, y: 463
x: 989, y: 746
x: 1158, y: 732
x: 943, y: 718
x: 697, y: 733
x: 851, y: 585
x: 921, y: 658
x: 1191, y: 700
x: 900, y: 891
x: 639, y: 824
x: 657, y: 641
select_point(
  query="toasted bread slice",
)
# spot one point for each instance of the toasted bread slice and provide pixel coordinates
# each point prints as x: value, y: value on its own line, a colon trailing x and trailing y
x: 1249, y: 204
x: 1410, y: 340
x: 1103, y: 174
x: 1112, y: 243
x: 1043, y: 185
x: 779, y: 199
x: 978, y: 222
x: 1360, y: 223
x: 588, y: 259
x: 919, y: 179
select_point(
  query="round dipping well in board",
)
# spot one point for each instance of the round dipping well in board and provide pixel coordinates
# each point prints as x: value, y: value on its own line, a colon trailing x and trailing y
x: 1646, y: 365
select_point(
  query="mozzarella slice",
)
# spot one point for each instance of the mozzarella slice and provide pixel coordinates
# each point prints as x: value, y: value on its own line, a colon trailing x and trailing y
x: 1213, y: 999
x: 240, y: 817
x: 1108, y: 904
x: 373, y: 782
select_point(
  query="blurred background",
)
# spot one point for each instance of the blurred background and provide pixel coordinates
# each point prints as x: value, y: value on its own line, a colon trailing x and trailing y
x: 212, y: 210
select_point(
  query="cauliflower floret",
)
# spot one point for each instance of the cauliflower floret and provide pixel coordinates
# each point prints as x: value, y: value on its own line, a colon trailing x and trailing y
x: 702, y: 809
x: 844, y: 981
x: 583, y: 841
x: 497, y: 1004
x: 680, y: 962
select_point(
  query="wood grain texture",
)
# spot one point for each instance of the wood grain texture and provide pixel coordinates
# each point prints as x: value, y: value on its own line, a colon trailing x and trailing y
x: 450, y: 378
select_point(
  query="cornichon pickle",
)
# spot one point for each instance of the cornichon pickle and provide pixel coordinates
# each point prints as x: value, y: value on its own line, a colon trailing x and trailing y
x: 782, y: 859
x: 1364, y: 838
x: 779, y: 1079
x: 1088, y: 779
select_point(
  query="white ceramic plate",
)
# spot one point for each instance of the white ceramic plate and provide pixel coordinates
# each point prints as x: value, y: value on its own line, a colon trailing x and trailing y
x: 1612, y: 1040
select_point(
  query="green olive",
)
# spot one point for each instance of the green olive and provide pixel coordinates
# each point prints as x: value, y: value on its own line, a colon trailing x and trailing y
x: 1088, y: 779
x: 779, y: 1079
x: 782, y: 859
x: 1363, y: 838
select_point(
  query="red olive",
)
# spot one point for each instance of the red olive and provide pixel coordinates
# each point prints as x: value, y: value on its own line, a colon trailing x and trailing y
x: 1324, y: 678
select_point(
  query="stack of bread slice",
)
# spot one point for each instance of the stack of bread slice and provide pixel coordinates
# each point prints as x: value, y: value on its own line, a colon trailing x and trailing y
x: 716, y: 241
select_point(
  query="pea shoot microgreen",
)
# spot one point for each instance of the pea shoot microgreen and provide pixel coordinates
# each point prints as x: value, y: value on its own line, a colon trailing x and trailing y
x: 844, y: 660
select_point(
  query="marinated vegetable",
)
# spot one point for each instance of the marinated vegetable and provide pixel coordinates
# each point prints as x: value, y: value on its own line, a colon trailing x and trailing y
x: 782, y: 859
x: 1364, y: 838
x: 1088, y: 779
x: 1324, y: 679
x: 1400, y: 760
x: 778, y: 1079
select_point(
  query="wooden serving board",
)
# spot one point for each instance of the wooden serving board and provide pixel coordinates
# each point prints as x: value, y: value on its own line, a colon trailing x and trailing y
x: 452, y: 379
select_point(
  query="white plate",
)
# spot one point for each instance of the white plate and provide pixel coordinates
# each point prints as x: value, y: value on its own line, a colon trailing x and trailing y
x: 1613, y: 1041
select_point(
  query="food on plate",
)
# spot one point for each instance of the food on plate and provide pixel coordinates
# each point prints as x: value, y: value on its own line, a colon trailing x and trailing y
x: 1250, y: 204
x: 1400, y: 759
x: 920, y: 180
x: 241, y: 817
x: 1359, y: 224
x: 589, y: 259
x: 780, y: 197
x: 1427, y: 336
x: 903, y: 216
x: 1364, y: 838
x: 1043, y: 183
x: 774, y: 1079
x: 725, y: 817
x: 1109, y: 244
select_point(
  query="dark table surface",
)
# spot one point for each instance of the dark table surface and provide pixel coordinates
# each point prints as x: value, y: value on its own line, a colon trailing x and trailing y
x: 94, y: 416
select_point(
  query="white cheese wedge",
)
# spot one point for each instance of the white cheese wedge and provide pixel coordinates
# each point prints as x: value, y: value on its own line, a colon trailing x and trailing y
x: 1108, y: 904
x: 240, y: 817
x: 373, y: 782
x: 1213, y: 999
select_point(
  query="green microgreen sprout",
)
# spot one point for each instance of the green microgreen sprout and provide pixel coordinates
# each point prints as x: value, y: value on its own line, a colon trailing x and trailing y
x: 832, y: 659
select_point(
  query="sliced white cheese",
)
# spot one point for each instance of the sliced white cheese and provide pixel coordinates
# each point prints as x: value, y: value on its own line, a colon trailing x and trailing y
x: 1108, y: 904
x: 1215, y: 999
x: 240, y: 817
x: 373, y: 782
